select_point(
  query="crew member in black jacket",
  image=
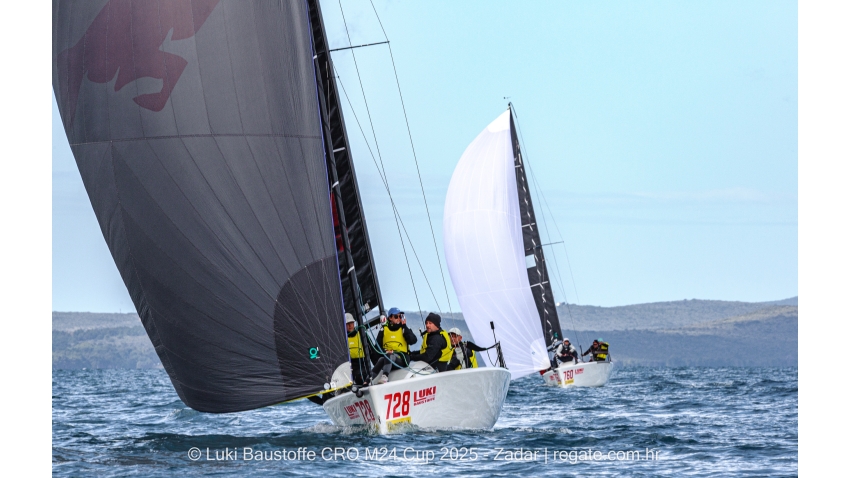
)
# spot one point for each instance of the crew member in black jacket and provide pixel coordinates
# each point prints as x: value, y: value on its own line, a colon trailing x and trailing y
x: 436, y: 348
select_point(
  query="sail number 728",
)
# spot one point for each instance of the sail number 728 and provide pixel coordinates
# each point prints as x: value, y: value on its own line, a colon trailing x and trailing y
x: 398, y: 404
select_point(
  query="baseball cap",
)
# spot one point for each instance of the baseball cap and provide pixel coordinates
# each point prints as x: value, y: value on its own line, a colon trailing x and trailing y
x: 393, y: 311
x: 349, y: 319
x: 455, y: 330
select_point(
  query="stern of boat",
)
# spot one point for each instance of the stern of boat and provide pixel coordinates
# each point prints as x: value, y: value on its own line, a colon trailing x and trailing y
x: 583, y: 374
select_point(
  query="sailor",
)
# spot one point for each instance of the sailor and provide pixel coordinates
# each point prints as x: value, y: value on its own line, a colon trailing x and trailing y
x: 555, y: 347
x: 436, y: 348
x: 359, y: 367
x: 395, y: 339
x: 598, y: 351
x: 464, y: 352
x: 565, y: 352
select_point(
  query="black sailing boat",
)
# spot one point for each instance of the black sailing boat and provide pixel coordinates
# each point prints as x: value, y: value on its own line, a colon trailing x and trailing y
x: 210, y: 139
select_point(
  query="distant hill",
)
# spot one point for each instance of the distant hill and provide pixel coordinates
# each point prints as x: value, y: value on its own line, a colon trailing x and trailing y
x: 656, y: 315
x: 89, y: 340
x: 71, y: 321
x: 679, y: 333
x: 766, y: 337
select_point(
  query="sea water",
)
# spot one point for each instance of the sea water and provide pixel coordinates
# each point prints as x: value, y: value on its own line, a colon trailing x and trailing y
x: 644, y: 422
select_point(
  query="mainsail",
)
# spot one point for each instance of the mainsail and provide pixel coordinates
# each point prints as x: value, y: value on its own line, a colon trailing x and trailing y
x: 196, y: 127
x: 535, y: 263
x: 345, y: 182
x: 485, y: 253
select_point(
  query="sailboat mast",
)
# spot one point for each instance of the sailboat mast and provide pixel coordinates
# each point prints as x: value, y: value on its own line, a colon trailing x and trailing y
x: 361, y: 291
x: 538, y: 275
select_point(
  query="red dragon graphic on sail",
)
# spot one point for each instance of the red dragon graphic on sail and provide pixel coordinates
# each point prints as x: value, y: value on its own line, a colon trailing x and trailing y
x: 125, y: 40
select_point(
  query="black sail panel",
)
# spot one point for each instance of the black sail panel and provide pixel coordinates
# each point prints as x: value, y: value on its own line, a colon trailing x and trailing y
x: 354, y: 219
x: 538, y: 275
x: 195, y: 127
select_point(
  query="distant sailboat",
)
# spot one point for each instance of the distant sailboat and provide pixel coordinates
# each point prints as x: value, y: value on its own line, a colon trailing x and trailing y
x: 495, y: 257
x: 210, y: 140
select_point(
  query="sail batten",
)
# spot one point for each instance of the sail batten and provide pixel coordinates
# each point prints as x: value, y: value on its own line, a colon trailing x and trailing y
x: 198, y: 136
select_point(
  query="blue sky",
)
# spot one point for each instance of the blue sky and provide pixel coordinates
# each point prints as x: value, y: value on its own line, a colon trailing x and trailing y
x: 663, y: 136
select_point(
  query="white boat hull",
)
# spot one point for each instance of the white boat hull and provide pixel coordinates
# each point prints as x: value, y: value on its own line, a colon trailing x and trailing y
x: 583, y: 374
x: 461, y: 399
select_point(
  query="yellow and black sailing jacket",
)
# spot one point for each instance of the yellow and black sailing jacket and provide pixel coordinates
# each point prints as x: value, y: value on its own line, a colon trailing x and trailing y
x: 446, y: 354
x: 602, y: 354
x: 394, y: 340
x: 355, y: 347
x: 473, y: 359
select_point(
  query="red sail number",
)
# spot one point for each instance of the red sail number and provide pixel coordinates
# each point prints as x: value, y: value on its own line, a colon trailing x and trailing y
x: 402, y: 404
x: 568, y: 375
x: 365, y: 411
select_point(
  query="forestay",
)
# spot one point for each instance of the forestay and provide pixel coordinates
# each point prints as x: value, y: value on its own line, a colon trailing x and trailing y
x: 483, y: 241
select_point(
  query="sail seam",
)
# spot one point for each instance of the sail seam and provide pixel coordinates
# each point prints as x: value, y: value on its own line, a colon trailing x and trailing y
x: 212, y: 135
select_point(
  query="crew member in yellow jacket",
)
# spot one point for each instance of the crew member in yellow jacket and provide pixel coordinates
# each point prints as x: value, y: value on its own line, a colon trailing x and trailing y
x: 359, y: 367
x: 395, y: 338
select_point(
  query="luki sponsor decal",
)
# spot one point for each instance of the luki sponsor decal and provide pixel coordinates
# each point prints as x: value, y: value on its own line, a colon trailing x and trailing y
x: 579, y: 371
x: 425, y: 395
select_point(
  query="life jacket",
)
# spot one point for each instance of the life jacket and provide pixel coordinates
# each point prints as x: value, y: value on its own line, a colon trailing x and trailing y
x: 394, y: 340
x: 566, y: 353
x: 473, y: 360
x: 602, y: 353
x: 355, y: 346
x: 446, y: 354
x: 458, y: 352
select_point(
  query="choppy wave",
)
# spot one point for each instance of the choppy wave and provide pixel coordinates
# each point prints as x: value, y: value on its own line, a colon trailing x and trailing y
x: 682, y: 421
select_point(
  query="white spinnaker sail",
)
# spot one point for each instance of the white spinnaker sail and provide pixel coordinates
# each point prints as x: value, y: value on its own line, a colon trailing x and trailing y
x: 482, y: 234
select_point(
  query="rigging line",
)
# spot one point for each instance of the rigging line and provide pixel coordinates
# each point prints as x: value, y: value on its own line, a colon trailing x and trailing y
x: 539, y: 192
x: 358, y: 46
x: 377, y: 147
x: 381, y: 168
x: 415, y: 160
x: 555, y: 256
x: 396, y: 213
x: 558, y: 229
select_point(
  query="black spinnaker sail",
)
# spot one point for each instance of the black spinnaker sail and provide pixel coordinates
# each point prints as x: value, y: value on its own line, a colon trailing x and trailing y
x: 538, y: 275
x: 196, y: 129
